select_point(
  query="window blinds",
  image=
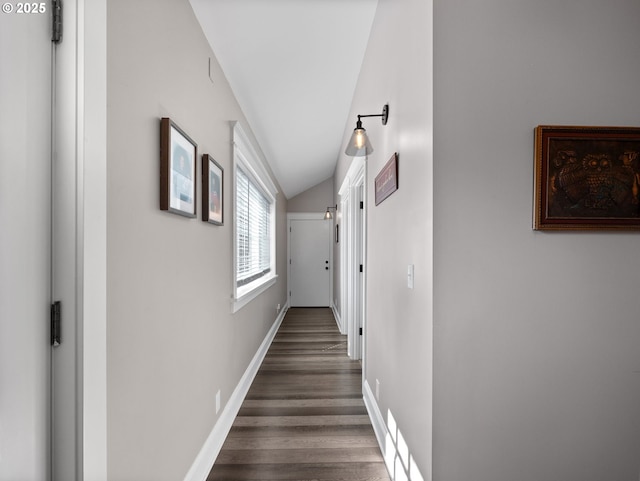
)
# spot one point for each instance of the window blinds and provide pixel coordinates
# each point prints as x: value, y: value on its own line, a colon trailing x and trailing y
x: 253, y: 259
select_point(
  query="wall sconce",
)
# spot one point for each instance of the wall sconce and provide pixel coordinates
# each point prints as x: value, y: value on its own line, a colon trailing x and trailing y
x: 359, y: 143
x: 328, y: 215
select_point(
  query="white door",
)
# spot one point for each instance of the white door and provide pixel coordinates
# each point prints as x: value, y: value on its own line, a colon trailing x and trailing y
x: 310, y: 263
x: 25, y: 243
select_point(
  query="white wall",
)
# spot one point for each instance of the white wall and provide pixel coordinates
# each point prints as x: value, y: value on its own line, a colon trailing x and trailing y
x: 536, y: 334
x: 172, y: 340
x: 397, y: 70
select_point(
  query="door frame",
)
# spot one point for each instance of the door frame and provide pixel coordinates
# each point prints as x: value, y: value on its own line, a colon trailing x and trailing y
x: 79, y: 364
x: 307, y: 216
x: 353, y: 252
x: 75, y: 393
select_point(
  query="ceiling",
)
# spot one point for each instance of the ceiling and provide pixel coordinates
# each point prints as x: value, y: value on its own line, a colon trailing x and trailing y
x: 293, y: 67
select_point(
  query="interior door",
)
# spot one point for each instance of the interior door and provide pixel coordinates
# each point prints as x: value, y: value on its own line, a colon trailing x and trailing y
x: 25, y: 243
x: 310, y: 263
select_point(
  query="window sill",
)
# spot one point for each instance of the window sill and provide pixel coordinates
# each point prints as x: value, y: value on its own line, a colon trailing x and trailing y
x: 252, y: 291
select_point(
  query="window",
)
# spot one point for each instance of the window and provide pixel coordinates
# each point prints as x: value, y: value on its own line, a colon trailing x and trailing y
x: 254, y: 220
x: 252, y: 231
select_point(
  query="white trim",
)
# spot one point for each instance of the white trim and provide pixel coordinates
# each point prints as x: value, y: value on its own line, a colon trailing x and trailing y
x: 80, y: 267
x: 207, y: 456
x: 357, y: 286
x: 247, y: 158
x: 377, y: 421
x: 356, y: 166
x: 344, y: 255
x: 256, y: 290
x: 397, y: 455
x: 337, y: 317
x: 353, y: 253
x: 355, y: 176
x: 256, y: 164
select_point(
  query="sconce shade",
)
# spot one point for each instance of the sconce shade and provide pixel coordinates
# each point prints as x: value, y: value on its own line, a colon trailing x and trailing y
x: 359, y: 143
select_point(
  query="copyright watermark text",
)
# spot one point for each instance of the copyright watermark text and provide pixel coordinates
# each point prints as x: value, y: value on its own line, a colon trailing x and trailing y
x: 24, y: 8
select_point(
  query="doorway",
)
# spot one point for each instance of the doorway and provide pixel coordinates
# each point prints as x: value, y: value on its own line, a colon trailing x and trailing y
x: 353, y: 258
x: 53, y: 425
x: 310, y: 260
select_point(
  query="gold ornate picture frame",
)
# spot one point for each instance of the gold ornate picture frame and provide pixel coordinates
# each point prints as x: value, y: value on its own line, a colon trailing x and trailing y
x: 587, y: 178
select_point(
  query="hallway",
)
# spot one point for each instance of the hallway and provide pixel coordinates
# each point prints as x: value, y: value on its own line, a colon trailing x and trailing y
x: 304, y: 417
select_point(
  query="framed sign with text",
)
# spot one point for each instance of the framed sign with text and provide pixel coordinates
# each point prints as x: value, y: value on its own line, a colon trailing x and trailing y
x: 387, y: 180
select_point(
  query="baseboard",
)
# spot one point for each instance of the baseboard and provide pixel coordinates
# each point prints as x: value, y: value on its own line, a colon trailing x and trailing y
x: 207, y: 456
x: 377, y: 421
x: 399, y: 462
x: 336, y: 316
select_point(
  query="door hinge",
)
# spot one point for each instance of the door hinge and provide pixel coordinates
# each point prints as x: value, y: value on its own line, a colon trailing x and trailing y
x: 56, y: 323
x: 361, y: 205
x: 361, y: 267
x: 361, y: 331
x: 56, y: 31
x: 289, y: 293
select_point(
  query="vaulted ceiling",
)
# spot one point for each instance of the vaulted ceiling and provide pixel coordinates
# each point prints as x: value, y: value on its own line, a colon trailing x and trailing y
x: 293, y: 67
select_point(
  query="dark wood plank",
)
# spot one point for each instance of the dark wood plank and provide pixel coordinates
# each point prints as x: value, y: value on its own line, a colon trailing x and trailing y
x: 299, y: 456
x: 303, y: 417
x: 300, y: 472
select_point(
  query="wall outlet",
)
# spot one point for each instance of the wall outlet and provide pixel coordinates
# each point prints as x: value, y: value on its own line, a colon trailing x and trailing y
x: 278, y: 307
x: 218, y: 401
x: 377, y: 390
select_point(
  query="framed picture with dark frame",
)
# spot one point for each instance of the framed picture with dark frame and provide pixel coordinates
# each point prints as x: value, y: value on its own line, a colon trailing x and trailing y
x: 587, y: 178
x: 178, y: 157
x: 212, y: 191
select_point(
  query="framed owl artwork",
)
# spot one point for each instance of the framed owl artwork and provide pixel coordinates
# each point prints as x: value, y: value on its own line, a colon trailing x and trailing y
x: 587, y: 178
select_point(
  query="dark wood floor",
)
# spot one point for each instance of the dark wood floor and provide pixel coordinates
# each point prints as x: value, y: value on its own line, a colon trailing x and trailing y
x: 304, y: 417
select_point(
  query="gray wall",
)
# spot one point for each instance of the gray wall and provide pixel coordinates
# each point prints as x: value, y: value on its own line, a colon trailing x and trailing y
x: 172, y: 340
x: 397, y: 70
x: 536, y: 334
x: 315, y: 199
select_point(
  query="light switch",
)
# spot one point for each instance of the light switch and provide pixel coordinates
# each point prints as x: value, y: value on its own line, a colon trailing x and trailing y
x: 410, y: 276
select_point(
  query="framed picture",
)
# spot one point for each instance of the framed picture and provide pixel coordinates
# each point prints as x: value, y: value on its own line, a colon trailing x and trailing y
x: 212, y: 190
x: 178, y: 154
x: 587, y: 178
x: 387, y: 180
